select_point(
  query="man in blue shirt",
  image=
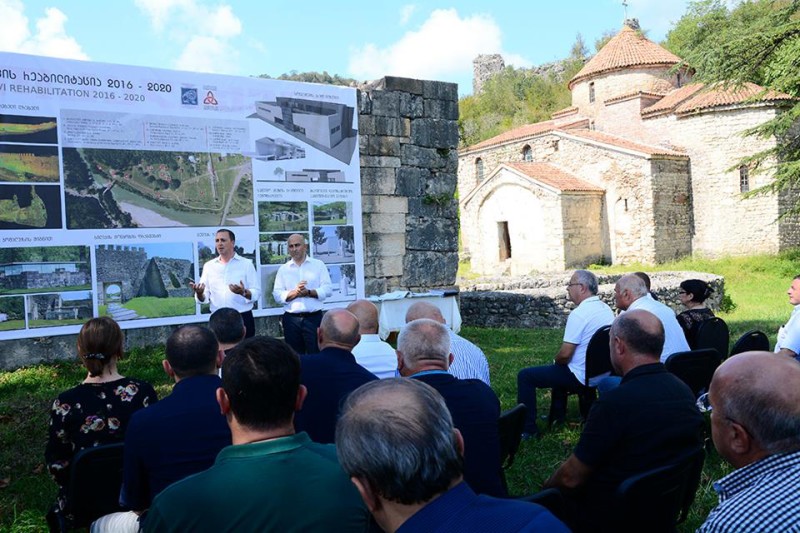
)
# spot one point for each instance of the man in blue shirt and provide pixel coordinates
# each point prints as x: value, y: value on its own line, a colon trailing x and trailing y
x: 396, y: 441
x: 755, y: 424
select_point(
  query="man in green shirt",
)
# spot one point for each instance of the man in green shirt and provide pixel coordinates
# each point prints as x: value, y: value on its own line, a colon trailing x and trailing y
x: 270, y: 479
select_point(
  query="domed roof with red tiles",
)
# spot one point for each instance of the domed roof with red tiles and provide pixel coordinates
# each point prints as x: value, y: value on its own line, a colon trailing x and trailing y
x: 628, y: 48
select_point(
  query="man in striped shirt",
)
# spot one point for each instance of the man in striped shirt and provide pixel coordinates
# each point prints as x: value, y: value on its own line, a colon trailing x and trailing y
x: 755, y: 424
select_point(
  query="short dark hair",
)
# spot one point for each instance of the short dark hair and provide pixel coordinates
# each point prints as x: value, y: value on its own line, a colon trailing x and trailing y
x: 192, y: 350
x: 227, y: 325
x: 397, y: 436
x: 640, y: 340
x: 231, y: 235
x: 261, y: 377
x: 644, y: 277
x: 699, y: 289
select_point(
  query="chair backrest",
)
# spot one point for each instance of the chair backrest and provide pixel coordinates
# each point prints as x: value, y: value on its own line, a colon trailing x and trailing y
x: 598, y: 354
x: 713, y: 333
x: 511, y: 426
x: 752, y: 340
x: 659, y: 499
x: 695, y: 368
x: 94, y: 484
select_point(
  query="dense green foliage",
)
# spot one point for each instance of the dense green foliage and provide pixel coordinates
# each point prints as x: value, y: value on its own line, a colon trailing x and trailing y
x: 756, y: 41
x: 314, y: 77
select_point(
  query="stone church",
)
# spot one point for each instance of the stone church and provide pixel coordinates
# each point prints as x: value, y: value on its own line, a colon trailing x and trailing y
x: 642, y: 167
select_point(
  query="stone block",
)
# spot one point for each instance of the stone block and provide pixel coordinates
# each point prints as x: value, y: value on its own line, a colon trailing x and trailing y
x: 409, y: 85
x: 372, y: 125
x: 388, y: 266
x: 411, y: 105
x: 385, y: 222
x: 430, y: 269
x: 380, y: 145
x: 383, y: 204
x: 386, y: 103
x: 384, y: 245
x: 364, y: 102
x: 435, y: 133
x: 440, y: 90
x: 440, y: 235
x: 439, y: 184
x: 433, y: 206
x: 380, y: 161
x: 411, y: 180
x: 416, y: 156
x: 376, y: 180
x: 374, y: 287
x: 442, y: 109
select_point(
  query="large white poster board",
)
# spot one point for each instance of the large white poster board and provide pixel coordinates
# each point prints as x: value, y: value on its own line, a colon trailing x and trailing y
x: 114, y: 180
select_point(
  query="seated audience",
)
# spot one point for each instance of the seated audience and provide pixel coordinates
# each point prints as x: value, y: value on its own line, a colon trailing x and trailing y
x: 180, y: 435
x: 423, y: 353
x: 98, y: 410
x: 469, y: 361
x: 397, y: 443
x: 330, y: 375
x: 650, y: 420
x: 693, y: 295
x: 569, y: 366
x: 271, y: 478
x: 228, y: 327
x: 755, y: 424
x: 646, y: 279
x: 371, y: 352
x: 789, y: 335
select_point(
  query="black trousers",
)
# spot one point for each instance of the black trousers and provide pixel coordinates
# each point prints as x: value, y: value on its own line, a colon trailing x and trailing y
x: 300, y: 331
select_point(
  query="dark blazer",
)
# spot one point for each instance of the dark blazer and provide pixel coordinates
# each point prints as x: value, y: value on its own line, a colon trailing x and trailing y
x: 475, y: 410
x: 330, y: 376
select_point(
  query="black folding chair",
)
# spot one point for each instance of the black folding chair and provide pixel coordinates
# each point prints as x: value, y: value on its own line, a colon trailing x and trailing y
x: 94, y: 484
x: 713, y: 333
x: 695, y: 368
x: 510, y: 425
x: 750, y: 341
x: 659, y: 499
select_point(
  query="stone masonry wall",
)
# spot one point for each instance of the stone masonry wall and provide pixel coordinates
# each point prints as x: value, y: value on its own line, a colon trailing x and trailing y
x: 408, y: 136
x: 541, y: 301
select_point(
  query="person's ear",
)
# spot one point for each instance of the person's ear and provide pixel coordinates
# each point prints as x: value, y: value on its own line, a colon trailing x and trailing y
x: 450, y: 359
x: 739, y: 440
x: 168, y: 369
x: 459, y: 441
x: 371, y: 499
x: 223, y: 401
x: 302, y: 392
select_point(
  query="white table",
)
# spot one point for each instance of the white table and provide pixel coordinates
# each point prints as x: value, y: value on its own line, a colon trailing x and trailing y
x: 392, y: 315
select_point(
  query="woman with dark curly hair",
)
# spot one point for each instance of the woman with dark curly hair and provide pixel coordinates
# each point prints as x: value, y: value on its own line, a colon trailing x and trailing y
x: 96, y: 411
x: 693, y: 294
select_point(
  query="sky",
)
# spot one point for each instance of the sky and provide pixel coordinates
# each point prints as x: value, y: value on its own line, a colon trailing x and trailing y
x: 426, y: 39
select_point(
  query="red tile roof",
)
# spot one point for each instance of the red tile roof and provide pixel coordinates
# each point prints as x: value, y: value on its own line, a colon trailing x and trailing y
x: 628, y: 48
x: 553, y: 176
x: 634, y: 94
x: 620, y: 142
x: 697, y: 96
x: 571, y: 110
x: 528, y: 130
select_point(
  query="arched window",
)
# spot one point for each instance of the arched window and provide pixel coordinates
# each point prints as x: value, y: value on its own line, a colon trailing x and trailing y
x: 527, y: 153
x: 744, y: 179
x: 591, y: 92
x: 479, y: 169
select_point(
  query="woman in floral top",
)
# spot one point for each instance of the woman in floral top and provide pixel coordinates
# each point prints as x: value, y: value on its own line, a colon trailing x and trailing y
x: 96, y: 411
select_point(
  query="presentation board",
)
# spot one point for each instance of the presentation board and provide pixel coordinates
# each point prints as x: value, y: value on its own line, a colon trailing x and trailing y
x: 114, y: 180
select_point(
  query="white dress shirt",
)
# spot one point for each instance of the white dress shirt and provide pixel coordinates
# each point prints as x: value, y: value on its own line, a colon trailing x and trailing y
x: 376, y: 356
x: 315, y: 272
x: 218, y: 276
x: 674, y: 338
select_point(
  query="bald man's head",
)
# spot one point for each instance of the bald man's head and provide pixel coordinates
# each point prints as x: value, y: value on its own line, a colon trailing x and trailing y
x: 339, y: 328
x: 367, y: 314
x: 761, y: 392
x: 424, y: 310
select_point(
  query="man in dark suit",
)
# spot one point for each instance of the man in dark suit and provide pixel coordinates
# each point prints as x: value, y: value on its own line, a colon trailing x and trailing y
x: 423, y: 353
x: 330, y: 375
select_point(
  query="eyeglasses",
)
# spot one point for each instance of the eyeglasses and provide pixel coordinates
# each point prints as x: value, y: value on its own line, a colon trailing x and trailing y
x: 571, y: 284
x: 682, y: 292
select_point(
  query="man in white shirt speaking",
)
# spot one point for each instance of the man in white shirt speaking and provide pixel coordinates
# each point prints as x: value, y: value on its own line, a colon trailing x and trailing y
x: 229, y: 280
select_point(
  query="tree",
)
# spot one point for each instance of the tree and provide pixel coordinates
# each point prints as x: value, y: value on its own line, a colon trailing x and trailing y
x: 318, y: 237
x: 758, y: 41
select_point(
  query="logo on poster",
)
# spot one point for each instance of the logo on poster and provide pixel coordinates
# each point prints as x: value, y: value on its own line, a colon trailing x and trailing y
x: 188, y: 96
x: 210, y: 99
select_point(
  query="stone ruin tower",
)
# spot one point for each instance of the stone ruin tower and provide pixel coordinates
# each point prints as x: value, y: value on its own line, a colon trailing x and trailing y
x: 484, y: 67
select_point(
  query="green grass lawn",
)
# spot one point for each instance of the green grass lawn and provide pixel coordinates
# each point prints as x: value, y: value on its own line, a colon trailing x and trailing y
x: 756, y: 285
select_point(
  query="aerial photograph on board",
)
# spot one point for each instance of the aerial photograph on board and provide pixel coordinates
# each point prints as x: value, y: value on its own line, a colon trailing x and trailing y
x: 150, y: 189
